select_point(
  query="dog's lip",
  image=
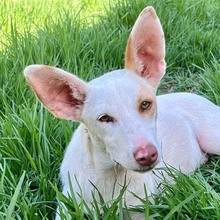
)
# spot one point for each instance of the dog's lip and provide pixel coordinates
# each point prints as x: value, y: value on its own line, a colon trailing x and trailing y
x: 145, y: 169
x: 142, y: 169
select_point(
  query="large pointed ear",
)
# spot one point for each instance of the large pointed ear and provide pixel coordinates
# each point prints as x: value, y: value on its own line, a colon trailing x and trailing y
x: 145, y: 50
x: 62, y: 93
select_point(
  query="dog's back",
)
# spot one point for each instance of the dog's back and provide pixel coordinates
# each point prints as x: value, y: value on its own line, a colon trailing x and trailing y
x: 188, y: 125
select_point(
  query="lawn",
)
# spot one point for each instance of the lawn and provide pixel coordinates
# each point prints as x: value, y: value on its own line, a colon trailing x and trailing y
x: 88, y: 38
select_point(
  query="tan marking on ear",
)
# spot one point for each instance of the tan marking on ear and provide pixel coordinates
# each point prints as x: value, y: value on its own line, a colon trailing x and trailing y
x: 128, y: 54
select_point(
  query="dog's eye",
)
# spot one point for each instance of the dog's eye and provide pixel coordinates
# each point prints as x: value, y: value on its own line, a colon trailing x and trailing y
x: 105, y: 118
x: 145, y: 105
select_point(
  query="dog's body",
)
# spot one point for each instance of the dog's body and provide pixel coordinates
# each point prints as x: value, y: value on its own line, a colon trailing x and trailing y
x: 125, y: 129
x: 185, y: 134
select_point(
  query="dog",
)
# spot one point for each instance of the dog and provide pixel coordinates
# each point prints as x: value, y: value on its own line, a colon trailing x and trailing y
x: 126, y: 130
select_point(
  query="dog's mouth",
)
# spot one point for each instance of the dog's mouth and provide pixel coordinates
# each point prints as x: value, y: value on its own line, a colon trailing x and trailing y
x: 117, y: 163
x: 145, y: 169
x: 140, y: 169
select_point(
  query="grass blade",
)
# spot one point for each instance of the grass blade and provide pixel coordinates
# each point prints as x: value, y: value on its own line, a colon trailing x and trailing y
x: 14, y: 198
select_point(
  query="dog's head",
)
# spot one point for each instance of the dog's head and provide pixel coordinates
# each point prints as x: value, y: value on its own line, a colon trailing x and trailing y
x: 118, y: 108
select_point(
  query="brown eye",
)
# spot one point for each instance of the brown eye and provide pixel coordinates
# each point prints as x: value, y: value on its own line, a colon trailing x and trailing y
x: 145, y: 105
x: 105, y: 118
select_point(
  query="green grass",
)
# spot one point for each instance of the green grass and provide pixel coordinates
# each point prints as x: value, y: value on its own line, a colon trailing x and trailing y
x: 88, y: 38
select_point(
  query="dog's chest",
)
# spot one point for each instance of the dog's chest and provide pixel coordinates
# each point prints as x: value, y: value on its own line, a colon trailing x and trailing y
x: 111, y: 186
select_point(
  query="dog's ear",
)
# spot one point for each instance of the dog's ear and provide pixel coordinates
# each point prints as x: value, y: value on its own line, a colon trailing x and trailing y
x: 145, y: 50
x: 62, y: 93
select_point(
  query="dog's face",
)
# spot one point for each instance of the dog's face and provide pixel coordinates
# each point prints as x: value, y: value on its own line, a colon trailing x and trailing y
x: 118, y: 108
x: 120, y: 113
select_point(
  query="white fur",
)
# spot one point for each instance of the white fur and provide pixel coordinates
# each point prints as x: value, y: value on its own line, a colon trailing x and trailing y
x: 182, y: 127
x: 94, y: 148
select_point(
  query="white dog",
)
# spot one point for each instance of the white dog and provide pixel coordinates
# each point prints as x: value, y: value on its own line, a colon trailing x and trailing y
x: 125, y: 129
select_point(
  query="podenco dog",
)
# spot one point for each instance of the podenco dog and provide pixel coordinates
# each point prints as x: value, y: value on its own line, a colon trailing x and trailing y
x: 125, y: 129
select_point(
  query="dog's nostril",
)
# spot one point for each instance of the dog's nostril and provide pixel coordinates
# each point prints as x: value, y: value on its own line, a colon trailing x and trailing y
x: 154, y: 156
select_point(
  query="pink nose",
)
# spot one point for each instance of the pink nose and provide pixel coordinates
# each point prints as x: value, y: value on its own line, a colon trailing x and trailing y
x: 146, y: 155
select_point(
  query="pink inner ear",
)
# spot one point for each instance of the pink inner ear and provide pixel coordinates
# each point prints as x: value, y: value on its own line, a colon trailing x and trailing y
x: 152, y: 68
x: 62, y: 99
x: 64, y: 95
